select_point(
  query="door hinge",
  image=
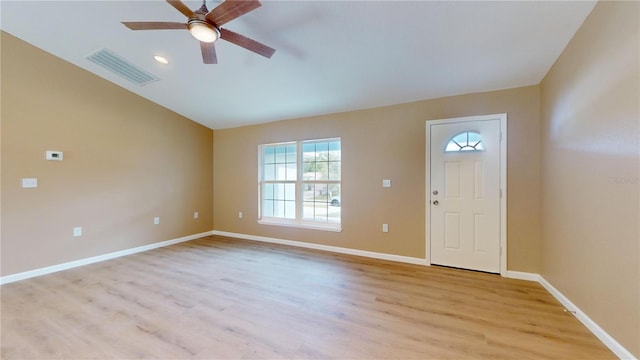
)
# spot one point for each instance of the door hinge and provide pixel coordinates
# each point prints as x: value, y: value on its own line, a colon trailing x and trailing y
x: 501, y: 193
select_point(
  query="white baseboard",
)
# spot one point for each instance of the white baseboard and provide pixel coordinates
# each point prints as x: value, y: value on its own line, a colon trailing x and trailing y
x: 519, y: 275
x: 72, y: 264
x: 335, y: 249
x: 602, y: 335
x: 606, y: 339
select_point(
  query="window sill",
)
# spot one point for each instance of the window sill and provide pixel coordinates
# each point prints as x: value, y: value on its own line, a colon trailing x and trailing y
x: 322, y: 227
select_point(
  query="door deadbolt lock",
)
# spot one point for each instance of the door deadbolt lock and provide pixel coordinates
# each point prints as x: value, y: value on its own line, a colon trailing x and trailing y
x: 436, y: 203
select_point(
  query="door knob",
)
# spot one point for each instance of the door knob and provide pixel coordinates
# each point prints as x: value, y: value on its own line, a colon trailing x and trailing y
x: 435, y: 192
x: 436, y: 203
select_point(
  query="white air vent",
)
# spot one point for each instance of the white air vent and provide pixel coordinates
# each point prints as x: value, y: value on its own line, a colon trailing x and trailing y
x: 116, y: 64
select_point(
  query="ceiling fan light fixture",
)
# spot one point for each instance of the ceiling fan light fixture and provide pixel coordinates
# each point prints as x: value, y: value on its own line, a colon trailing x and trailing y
x: 203, y: 31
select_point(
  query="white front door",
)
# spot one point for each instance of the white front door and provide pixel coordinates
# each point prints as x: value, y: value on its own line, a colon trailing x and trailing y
x: 464, y: 193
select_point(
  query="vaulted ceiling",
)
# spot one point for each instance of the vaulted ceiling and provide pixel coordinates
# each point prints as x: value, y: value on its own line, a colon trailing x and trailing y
x: 331, y: 56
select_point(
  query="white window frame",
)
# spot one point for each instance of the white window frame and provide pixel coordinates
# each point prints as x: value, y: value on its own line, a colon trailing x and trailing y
x: 299, y: 221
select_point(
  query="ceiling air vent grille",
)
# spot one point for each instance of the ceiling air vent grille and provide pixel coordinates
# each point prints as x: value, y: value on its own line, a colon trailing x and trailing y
x: 116, y: 64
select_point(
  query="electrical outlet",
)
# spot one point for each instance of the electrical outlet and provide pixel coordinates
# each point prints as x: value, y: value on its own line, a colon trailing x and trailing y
x: 195, y: 215
x: 240, y: 215
x: 156, y: 220
x: 53, y: 155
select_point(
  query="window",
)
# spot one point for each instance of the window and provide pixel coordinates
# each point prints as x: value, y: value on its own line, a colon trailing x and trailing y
x: 466, y: 141
x: 299, y: 184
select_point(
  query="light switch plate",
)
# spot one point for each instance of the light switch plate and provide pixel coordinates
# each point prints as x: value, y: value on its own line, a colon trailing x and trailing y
x: 29, y: 182
x: 386, y: 183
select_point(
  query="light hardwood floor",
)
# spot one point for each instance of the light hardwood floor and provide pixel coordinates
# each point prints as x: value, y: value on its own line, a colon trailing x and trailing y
x: 217, y: 297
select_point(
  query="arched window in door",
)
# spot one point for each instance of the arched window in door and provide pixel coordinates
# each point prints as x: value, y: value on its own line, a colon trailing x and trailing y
x: 465, y: 141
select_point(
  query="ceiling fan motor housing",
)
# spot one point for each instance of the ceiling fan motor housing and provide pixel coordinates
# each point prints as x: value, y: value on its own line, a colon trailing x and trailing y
x: 204, y: 26
x: 203, y: 30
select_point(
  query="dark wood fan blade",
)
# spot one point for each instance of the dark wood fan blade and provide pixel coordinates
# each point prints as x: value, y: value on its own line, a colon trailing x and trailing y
x: 181, y: 7
x: 247, y: 43
x: 154, y: 25
x: 208, y: 53
x: 231, y: 9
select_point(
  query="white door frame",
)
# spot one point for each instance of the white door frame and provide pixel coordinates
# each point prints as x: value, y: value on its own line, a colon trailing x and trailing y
x: 503, y: 182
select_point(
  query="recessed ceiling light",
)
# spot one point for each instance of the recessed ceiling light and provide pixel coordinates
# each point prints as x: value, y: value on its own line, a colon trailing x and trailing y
x: 161, y: 59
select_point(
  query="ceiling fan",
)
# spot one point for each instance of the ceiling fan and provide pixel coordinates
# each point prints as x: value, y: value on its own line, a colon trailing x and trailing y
x: 204, y: 25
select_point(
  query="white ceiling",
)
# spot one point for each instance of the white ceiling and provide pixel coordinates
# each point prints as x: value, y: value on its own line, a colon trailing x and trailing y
x: 331, y: 56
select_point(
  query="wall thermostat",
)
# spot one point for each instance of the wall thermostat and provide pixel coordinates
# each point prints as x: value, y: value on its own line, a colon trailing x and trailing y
x: 53, y: 155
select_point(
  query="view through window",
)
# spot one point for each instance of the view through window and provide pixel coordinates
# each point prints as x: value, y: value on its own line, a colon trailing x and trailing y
x: 466, y: 141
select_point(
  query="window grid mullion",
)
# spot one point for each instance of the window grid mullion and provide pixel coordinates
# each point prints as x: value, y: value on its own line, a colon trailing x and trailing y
x: 299, y: 188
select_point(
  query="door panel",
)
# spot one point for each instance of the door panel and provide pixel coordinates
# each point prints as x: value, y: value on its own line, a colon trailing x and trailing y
x: 452, y: 179
x: 452, y: 231
x: 465, y: 196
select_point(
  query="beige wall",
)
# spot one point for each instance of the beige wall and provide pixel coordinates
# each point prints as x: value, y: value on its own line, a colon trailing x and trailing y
x: 387, y: 142
x: 126, y: 160
x: 590, y: 166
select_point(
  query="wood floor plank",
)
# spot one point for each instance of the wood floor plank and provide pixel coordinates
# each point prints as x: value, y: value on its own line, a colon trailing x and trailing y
x: 223, y: 298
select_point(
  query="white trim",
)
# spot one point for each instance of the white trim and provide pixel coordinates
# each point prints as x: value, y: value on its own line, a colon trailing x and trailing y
x: 600, y: 333
x: 335, y: 249
x: 335, y: 227
x: 606, y: 339
x: 94, y: 259
x: 519, y: 275
x: 595, y: 329
x: 503, y: 193
x: 298, y: 221
x: 503, y: 182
